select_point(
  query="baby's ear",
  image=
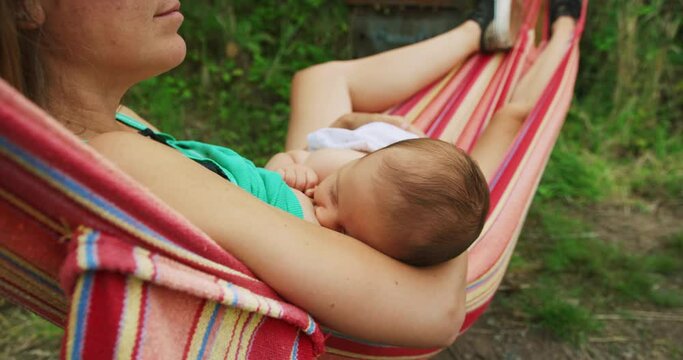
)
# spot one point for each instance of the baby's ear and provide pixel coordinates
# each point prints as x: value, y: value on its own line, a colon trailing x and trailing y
x: 31, y: 15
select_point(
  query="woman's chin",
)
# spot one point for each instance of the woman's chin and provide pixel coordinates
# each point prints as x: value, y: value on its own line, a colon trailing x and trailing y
x: 177, y: 53
x: 173, y: 56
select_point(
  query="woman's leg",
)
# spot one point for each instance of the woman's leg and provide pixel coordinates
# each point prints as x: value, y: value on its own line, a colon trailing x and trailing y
x: 491, y: 147
x: 531, y: 86
x: 323, y: 93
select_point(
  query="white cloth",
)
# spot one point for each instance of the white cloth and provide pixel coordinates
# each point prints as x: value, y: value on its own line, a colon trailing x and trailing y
x: 367, y: 138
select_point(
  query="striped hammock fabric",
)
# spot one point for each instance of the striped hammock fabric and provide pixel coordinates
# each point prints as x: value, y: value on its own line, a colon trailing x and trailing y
x: 89, y: 249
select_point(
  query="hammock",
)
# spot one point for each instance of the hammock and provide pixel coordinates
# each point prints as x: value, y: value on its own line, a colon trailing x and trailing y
x: 89, y: 249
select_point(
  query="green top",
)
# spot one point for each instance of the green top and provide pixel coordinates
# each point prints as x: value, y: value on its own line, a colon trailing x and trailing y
x: 264, y: 184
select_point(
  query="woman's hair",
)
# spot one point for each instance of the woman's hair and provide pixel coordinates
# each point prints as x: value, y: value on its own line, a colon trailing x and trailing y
x: 442, y: 202
x: 20, y: 64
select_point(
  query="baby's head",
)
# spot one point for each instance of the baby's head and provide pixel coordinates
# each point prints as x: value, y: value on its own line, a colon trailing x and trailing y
x: 421, y: 201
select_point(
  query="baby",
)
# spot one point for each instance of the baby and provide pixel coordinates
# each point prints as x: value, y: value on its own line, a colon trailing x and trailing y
x: 421, y: 201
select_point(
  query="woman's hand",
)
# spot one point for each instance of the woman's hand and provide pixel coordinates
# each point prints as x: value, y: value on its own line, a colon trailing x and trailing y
x: 355, y: 120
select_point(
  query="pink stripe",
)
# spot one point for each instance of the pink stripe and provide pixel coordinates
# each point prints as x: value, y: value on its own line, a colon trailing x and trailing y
x: 482, y: 112
x: 193, y: 330
x: 442, y: 120
x: 409, y: 104
x: 432, y: 110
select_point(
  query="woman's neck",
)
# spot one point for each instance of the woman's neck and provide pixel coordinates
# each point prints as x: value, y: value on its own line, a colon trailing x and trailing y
x: 85, y: 104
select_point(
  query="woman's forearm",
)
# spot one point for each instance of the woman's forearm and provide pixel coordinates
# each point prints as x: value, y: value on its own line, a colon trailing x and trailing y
x: 343, y: 283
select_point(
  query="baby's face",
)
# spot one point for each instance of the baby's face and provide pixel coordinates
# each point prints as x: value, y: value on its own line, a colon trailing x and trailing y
x: 351, y: 201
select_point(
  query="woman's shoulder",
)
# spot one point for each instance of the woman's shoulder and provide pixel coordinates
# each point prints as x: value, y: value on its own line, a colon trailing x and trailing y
x: 128, y: 149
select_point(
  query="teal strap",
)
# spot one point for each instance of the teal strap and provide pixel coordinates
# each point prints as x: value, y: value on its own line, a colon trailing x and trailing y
x: 129, y: 121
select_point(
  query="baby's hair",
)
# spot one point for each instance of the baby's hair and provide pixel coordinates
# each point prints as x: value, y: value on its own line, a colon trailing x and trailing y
x: 441, y: 200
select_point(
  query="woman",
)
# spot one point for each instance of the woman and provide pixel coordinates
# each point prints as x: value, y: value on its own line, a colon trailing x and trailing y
x: 77, y: 58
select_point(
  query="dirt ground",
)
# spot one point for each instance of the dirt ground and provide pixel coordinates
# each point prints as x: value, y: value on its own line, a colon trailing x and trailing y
x: 647, y: 333
x: 652, y: 335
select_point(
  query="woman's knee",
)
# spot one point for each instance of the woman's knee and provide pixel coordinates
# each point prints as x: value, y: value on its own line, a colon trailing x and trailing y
x: 327, y: 70
x: 515, y: 111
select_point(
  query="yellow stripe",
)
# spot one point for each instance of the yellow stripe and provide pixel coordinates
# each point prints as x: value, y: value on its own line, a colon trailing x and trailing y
x: 144, y: 267
x: 486, y: 290
x: 457, y: 122
x: 201, y: 329
x: 232, y: 349
x: 427, y: 99
x: 247, y: 335
x: 128, y: 329
x: 71, y: 333
x: 37, y: 215
x: 248, y: 301
x: 224, y: 333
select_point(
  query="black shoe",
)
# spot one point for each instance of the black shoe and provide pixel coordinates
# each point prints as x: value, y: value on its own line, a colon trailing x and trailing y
x: 559, y: 8
x: 483, y: 14
x: 498, y: 23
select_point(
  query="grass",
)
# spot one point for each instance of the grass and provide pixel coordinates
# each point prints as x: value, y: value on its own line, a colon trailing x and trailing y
x: 580, y: 274
x: 25, y: 335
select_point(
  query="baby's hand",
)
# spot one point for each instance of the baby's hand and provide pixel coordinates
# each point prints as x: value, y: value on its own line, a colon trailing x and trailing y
x: 300, y: 177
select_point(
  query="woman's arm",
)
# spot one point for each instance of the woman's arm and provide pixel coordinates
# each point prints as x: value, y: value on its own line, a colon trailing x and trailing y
x: 343, y: 283
x: 355, y: 120
x: 297, y: 135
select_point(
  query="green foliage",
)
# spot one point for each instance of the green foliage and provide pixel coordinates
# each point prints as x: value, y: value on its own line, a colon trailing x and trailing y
x: 628, y: 107
x: 656, y: 177
x: 25, y: 335
x: 561, y: 318
x: 576, y: 176
x: 574, y: 273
